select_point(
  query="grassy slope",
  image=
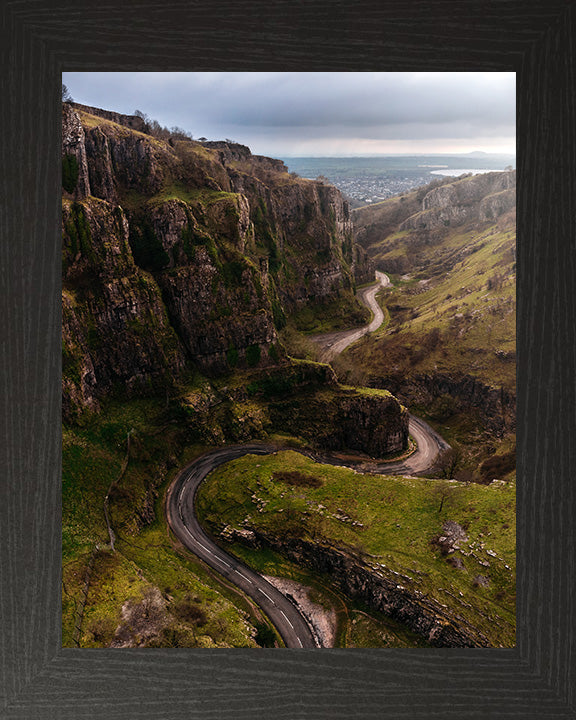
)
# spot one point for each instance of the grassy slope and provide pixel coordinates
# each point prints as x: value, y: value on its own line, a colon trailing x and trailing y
x: 199, y: 612
x: 460, y: 318
x: 164, y: 437
x: 398, y: 516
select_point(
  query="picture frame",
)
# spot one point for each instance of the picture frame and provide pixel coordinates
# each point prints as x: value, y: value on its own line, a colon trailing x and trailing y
x: 39, y: 679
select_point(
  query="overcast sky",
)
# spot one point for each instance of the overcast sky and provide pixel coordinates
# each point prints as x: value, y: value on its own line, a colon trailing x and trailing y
x: 319, y: 114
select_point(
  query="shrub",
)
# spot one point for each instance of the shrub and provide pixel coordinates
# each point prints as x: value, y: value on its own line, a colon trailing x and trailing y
x: 69, y: 173
x: 265, y: 636
x: 190, y: 612
x: 232, y: 356
x: 146, y: 247
x: 79, y: 232
x: 273, y: 354
x: 232, y: 272
x: 253, y: 354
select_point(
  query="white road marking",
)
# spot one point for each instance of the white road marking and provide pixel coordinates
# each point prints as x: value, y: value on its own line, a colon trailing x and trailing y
x: 288, y: 621
x: 188, y: 531
x: 300, y: 641
x: 268, y: 596
x: 202, y: 546
x: 245, y: 578
x: 205, y: 548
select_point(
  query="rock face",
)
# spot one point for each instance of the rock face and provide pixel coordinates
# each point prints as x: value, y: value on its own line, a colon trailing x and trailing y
x: 381, y: 589
x: 73, y: 146
x: 183, y: 254
x: 363, y: 266
x: 496, y: 407
x: 476, y: 198
x: 115, y: 329
x: 376, y: 425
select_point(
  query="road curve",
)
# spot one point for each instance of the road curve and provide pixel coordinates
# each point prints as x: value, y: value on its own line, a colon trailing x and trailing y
x: 293, y: 628
x: 180, y: 512
x: 332, y: 344
x: 419, y: 462
x: 182, y: 519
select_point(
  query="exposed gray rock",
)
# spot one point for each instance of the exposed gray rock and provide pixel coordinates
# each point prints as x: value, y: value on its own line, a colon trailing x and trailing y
x: 73, y: 143
x: 379, y: 589
x: 475, y: 198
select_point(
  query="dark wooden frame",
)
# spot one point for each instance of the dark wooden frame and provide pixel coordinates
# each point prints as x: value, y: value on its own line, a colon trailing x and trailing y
x: 40, y: 680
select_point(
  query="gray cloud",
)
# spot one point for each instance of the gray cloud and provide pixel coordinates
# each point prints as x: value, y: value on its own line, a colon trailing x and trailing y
x: 274, y: 112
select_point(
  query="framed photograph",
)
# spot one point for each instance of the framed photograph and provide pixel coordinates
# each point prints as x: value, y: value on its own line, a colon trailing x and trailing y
x: 74, y: 662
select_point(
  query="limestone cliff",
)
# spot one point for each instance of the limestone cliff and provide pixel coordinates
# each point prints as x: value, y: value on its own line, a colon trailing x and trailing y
x: 474, y: 198
x: 444, y: 203
x: 115, y: 330
x: 181, y: 254
x: 380, y: 588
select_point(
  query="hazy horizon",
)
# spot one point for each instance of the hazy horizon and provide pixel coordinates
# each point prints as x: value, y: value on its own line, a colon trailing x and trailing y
x: 335, y: 114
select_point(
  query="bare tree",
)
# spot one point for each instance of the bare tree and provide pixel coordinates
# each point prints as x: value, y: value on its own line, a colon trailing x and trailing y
x: 66, y: 97
x: 447, y: 463
x: 444, y: 492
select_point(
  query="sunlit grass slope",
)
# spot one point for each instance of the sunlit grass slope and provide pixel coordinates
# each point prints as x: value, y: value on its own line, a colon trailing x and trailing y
x: 389, y: 521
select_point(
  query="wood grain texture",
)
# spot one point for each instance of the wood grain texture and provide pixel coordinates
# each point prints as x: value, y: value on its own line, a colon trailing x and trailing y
x: 38, y: 678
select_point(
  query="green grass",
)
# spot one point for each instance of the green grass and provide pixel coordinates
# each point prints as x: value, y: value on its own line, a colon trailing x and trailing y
x: 338, y: 313
x: 398, y: 518
x: 460, y: 320
x: 134, y: 200
x: 189, y: 195
x: 144, y: 556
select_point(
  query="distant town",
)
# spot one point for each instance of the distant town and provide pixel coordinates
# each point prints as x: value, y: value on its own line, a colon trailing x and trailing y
x: 365, y: 180
x: 371, y: 190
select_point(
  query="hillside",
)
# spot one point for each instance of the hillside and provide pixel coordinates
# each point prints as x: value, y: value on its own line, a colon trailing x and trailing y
x: 446, y: 571
x: 181, y: 263
x: 397, y: 232
x: 179, y: 255
x: 448, y: 350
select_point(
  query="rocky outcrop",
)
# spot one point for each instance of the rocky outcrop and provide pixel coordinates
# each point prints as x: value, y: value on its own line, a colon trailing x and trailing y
x: 134, y: 122
x: 100, y: 169
x: 363, y: 267
x: 495, y: 205
x: 380, y: 588
x: 496, y: 407
x: 73, y: 146
x: 472, y: 198
x: 373, y: 424
x: 183, y: 253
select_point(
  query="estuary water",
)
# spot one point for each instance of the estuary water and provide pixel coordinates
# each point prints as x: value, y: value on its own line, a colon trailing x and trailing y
x: 456, y: 172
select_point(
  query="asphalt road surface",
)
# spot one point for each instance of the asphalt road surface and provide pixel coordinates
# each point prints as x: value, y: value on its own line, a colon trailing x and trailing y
x: 332, y: 344
x: 291, y: 625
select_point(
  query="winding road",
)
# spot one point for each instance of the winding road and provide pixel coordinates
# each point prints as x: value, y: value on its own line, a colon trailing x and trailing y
x: 292, y: 627
x: 332, y: 344
x: 286, y: 617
